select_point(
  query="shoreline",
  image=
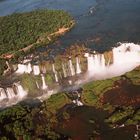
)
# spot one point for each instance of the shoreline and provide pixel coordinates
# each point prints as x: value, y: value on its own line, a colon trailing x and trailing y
x: 61, y: 31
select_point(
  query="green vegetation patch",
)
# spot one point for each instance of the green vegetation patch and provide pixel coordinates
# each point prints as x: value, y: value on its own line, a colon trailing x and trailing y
x: 93, y: 91
x: 29, y: 83
x: 27, y: 123
x: 120, y: 114
x: 134, y: 76
x: 57, y: 101
x: 13, y: 113
x: 101, y: 86
x: 2, y: 66
x: 18, y: 31
x: 89, y: 98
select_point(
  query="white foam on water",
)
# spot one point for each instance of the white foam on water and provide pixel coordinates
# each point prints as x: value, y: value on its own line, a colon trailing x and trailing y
x: 55, y: 73
x: 64, y: 70
x: 2, y: 94
x: 78, y: 68
x: 36, y: 70
x: 126, y: 57
x: 21, y: 68
x: 44, y: 85
x: 20, y: 91
x: 71, y: 67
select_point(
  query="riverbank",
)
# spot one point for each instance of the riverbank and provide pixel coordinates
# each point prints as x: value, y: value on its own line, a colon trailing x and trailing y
x: 51, y: 37
x: 22, y: 33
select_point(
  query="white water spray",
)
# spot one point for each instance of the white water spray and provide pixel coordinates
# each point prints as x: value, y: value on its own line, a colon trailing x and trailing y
x: 78, y: 69
x: 21, y: 69
x: 36, y: 70
x: 37, y: 85
x: 55, y: 73
x: 29, y: 68
x: 10, y: 93
x: 71, y: 68
x: 64, y: 70
x: 125, y: 58
x: 44, y: 86
x: 2, y: 94
x: 20, y: 91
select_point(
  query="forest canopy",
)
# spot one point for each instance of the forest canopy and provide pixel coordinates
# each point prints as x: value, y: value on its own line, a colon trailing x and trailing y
x: 20, y: 30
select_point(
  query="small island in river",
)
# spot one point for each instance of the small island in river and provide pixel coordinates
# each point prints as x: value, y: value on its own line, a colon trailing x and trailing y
x: 21, y: 33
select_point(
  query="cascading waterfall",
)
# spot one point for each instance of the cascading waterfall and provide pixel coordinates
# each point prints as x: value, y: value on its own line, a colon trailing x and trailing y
x: 103, y: 61
x: 97, y: 61
x: 37, y: 85
x: 90, y: 61
x: 2, y: 94
x: 44, y: 86
x: 55, y: 73
x: 123, y: 59
x: 98, y: 65
x: 24, y: 68
x: 29, y: 68
x: 21, y: 68
x: 71, y: 68
x: 20, y: 91
x: 36, y: 70
x: 78, y: 69
x: 64, y: 70
x: 10, y: 93
x: 126, y: 53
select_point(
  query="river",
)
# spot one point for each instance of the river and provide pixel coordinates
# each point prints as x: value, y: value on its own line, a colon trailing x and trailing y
x: 100, y: 24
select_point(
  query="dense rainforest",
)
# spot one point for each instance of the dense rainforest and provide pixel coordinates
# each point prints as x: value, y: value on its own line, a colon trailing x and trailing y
x: 22, y: 29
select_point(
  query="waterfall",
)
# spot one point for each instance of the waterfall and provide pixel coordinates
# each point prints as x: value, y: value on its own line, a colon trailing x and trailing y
x: 36, y: 70
x: 96, y: 63
x: 10, y: 93
x: 103, y: 61
x: 20, y: 91
x: 29, y: 68
x: 44, y: 86
x: 21, y: 68
x: 55, y: 73
x: 90, y: 61
x: 2, y: 94
x: 37, y: 85
x: 64, y: 70
x: 126, y: 53
x: 78, y: 69
x: 71, y: 68
x: 125, y: 58
x: 43, y: 69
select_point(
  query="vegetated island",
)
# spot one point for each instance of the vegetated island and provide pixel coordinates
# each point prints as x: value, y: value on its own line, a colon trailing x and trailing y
x: 23, y: 32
